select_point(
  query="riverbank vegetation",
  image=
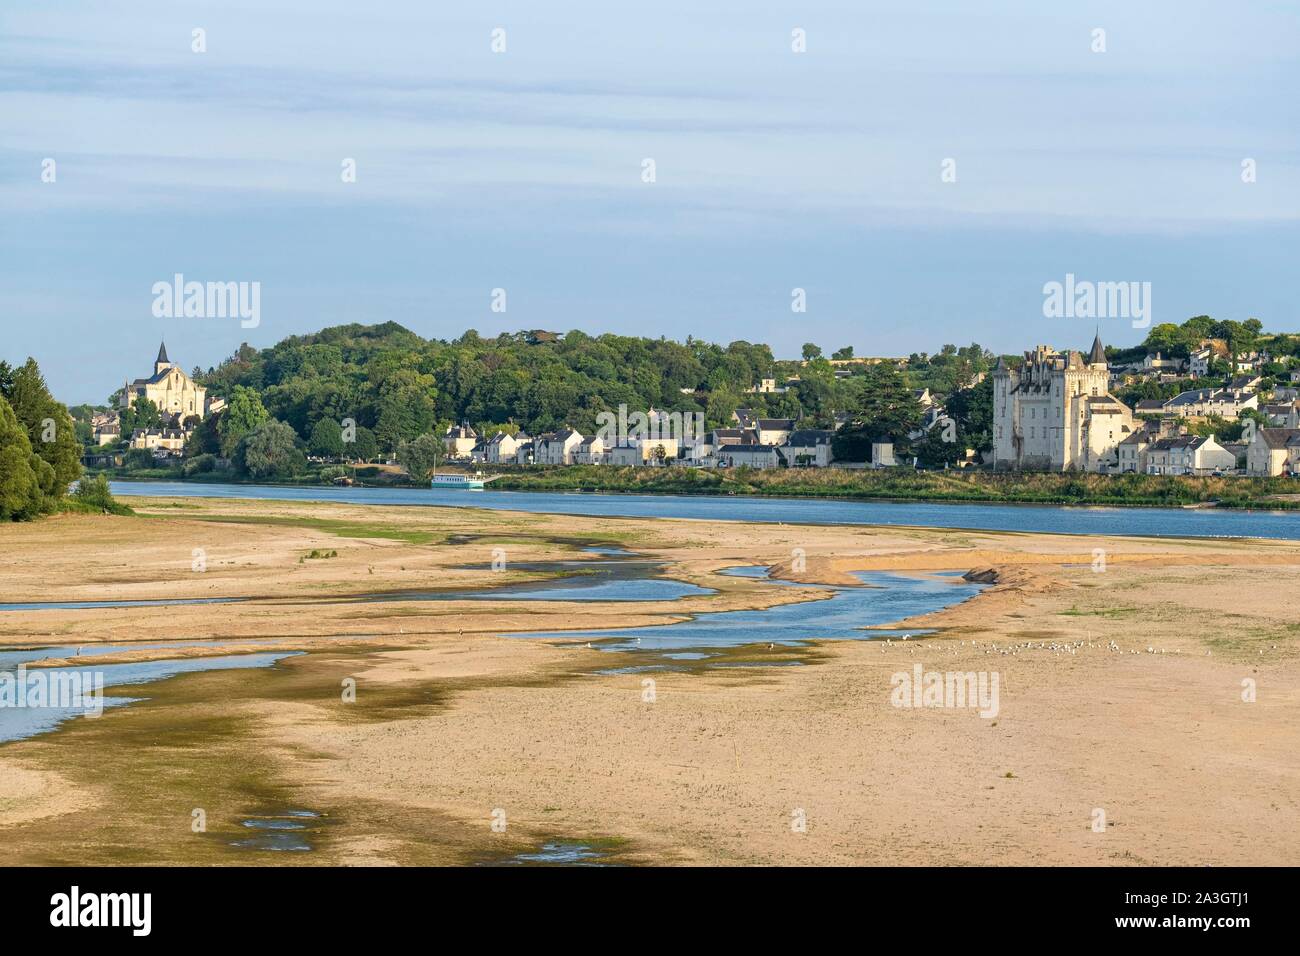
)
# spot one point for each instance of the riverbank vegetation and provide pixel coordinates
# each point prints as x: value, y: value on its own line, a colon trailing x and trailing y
x: 40, y: 454
x: 899, y: 484
x: 912, y: 485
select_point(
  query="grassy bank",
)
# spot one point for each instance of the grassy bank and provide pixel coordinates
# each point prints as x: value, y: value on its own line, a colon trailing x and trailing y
x: 906, y: 484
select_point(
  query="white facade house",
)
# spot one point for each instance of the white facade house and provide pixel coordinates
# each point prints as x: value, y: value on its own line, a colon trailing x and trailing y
x: 590, y: 451
x: 556, y: 448
x: 1055, y: 413
x: 169, y: 441
x: 460, y: 440
x: 1157, y: 364
x: 526, y: 452
x: 1132, y: 452
x: 752, y: 456
x: 503, y: 448
x: 808, y: 448
x: 1198, y: 364
x: 1226, y: 403
x: 1273, y: 451
x: 773, y: 431
x: 1188, y: 455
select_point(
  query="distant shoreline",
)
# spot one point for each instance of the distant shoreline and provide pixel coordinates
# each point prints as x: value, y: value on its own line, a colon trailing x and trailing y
x: 1192, y: 493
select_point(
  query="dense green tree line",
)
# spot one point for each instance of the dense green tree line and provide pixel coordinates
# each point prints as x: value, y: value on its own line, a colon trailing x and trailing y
x: 40, y: 454
x: 398, y: 386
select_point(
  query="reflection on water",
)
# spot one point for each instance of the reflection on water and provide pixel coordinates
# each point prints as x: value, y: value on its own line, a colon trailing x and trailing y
x: 290, y: 831
x: 19, y: 722
x: 557, y: 854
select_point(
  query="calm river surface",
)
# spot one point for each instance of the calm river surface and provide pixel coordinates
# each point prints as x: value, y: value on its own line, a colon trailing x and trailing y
x: 1159, y: 522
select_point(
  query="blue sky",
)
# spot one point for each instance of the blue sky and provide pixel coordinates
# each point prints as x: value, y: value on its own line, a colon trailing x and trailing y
x: 522, y: 170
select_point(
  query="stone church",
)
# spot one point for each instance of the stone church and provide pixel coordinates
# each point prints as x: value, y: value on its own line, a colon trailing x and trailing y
x: 169, y: 388
x: 1055, y: 413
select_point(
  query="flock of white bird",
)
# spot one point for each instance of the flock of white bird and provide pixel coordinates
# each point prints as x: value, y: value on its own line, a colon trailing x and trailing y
x: 1070, y: 648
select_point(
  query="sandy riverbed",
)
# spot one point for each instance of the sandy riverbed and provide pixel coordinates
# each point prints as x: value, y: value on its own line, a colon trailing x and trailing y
x: 453, y: 721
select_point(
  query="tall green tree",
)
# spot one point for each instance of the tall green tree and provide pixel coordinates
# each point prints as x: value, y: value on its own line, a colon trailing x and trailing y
x: 326, y: 439
x: 50, y: 429
x: 886, y: 411
x: 972, y: 411
x: 365, y: 447
x: 420, y: 456
x: 142, y: 414
x: 243, y: 412
x: 21, y: 495
x: 270, y: 450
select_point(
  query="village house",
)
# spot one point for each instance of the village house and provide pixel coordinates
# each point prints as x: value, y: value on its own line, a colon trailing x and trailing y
x: 882, y: 454
x: 105, y: 428
x: 460, y: 440
x: 1132, y: 452
x: 526, y: 452
x: 590, y: 451
x: 1273, y: 452
x: 163, y: 442
x: 773, y: 431
x: 733, y: 436
x: 1199, y: 362
x: 752, y: 456
x: 635, y: 452
x: 556, y: 448
x: 1283, y: 415
x: 744, y: 417
x: 1156, y: 364
x: 1252, y: 361
x: 1188, y: 455
x: 1226, y: 403
x: 808, y: 448
x: 503, y: 448
x: 624, y: 454
x: 1238, y: 451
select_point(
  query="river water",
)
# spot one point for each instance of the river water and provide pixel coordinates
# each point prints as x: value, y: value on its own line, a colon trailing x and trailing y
x: 1059, y: 519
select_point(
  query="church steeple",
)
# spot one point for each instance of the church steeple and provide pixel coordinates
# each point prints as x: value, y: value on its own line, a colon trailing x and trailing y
x: 162, y: 362
x: 1098, y: 355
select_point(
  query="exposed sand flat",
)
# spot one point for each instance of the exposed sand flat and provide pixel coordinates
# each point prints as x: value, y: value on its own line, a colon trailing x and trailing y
x: 453, y: 721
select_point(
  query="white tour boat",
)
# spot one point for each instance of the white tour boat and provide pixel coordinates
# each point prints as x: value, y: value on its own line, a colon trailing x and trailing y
x: 476, y: 480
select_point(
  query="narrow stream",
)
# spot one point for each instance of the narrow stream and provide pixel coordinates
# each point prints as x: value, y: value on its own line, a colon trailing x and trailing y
x: 843, y: 615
